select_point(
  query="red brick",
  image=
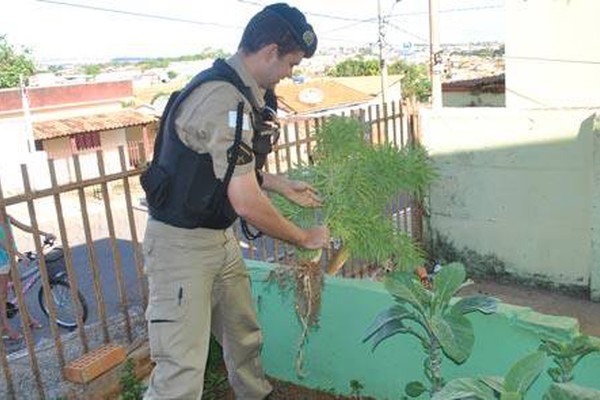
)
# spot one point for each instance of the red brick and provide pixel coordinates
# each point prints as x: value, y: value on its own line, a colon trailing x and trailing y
x: 95, y: 363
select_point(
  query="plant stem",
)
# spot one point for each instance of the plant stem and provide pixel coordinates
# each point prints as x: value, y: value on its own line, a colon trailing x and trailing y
x: 435, y: 364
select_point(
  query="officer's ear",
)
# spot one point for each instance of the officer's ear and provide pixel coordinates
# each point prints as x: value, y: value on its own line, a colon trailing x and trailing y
x: 270, y: 51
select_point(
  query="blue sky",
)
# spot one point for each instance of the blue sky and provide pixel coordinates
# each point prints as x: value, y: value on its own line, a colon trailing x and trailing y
x: 58, y: 31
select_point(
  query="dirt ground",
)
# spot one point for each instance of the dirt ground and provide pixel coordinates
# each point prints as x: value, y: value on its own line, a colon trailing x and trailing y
x: 545, y: 301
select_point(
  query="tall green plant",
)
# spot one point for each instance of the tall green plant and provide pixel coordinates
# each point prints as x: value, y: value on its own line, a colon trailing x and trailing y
x: 440, y: 326
x: 357, y: 181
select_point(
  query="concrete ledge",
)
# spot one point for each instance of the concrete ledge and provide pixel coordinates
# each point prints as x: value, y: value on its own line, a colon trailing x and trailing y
x: 335, y: 353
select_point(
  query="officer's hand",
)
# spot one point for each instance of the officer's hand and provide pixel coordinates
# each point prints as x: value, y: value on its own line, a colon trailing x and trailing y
x: 316, y: 238
x: 302, y: 194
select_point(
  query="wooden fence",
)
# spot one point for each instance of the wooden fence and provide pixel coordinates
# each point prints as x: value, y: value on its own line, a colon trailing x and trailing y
x: 99, y: 222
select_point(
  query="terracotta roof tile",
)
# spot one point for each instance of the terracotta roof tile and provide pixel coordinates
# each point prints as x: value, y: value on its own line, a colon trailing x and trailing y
x: 89, y: 123
x: 322, y: 95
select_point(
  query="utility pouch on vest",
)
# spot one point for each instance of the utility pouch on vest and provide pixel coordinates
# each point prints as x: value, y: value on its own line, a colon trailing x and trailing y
x: 156, y: 183
x: 155, y: 180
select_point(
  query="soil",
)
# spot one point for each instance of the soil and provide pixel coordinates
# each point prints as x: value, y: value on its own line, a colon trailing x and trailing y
x: 545, y: 301
x: 283, y: 391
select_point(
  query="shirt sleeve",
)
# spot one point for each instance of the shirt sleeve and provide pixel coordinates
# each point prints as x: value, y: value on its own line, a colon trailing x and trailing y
x: 206, y: 123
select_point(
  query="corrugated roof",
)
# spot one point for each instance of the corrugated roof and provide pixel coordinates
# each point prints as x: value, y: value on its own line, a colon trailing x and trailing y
x: 323, y: 94
x: 89, y: 123
x: 488, y: 84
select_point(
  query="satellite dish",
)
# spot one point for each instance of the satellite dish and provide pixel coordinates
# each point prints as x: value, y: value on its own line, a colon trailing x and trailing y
x: 311, y: 96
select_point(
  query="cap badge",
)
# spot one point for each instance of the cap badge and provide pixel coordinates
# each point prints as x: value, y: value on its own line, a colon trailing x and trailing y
x: 308, y: 37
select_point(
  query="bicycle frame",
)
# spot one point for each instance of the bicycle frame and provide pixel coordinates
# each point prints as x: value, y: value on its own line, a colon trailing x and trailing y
x: 29, y: 279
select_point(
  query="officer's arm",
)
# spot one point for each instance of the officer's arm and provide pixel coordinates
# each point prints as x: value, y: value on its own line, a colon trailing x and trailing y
x: 298, y: 192
x: 252, y: 204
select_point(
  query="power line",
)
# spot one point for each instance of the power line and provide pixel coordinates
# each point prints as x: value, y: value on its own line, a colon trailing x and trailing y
x: 138, y: 14
x: 405, y: 14
x: 559, y: 60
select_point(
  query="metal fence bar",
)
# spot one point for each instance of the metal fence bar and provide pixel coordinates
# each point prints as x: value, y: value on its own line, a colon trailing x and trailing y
x: 91, y: 251
x: 137, y: 256
x: 117, y: 263
x: 71, y: 276
x: 10, y: 242
x: 25, y: 318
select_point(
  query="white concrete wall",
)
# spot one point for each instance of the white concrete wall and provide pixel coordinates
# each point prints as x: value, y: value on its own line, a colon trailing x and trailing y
x: 552, y: 53
x: 518, y: 184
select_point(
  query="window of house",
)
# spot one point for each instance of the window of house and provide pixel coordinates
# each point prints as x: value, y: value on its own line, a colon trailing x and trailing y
x: 87, y: 141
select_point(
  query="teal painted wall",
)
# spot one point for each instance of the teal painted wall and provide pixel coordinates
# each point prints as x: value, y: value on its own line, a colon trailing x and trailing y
x: 335, y: 353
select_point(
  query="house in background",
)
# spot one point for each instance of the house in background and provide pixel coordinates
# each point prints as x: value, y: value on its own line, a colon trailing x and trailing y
x: 66, y: 120
x: 488, y: 91
x: 317, y: 96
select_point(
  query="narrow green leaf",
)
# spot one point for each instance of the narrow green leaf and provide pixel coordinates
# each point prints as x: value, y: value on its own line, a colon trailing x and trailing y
x: 524, y: 372
x: 396, y: 312
x: 446, y: 283
x: 455, y: 334
x: 484, y: 304
x: 388, y: 330
x: 464, y: 388
x: 569, y: 391
x: 496, y: 383
x: 415, y: 389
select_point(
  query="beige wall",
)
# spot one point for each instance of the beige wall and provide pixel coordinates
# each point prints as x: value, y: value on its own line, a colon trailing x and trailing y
x: 552, y: 56
x: 518, y: 184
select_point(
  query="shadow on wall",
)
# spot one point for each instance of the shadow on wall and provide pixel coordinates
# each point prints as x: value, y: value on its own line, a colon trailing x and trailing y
x: 518, y: 193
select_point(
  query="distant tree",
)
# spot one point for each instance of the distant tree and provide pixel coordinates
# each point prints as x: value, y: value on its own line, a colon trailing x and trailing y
x: 415, y: 79
x: 171, y: 74
x: 92, y: 69
x: 14, y: 64
x: 355, y: 67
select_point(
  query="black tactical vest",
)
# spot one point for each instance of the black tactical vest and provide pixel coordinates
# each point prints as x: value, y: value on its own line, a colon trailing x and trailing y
x: 180, y: 184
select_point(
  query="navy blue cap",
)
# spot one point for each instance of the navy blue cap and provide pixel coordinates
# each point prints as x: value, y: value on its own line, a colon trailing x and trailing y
x: 301, y: 30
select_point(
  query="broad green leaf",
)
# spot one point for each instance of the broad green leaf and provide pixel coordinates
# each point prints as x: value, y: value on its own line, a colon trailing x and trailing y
x: 455, y: 334
x: 399, y: 284
x: 415, y: 389
x: 396, y: 312
x: 484, y: 304
x: 446, y: 283
x: 524, y: 372
x: 496, y: 383
x: 583, y: 345
x: 511, y: 396
x: 569, y: 391
x: 464, y: 388
x: 388, y: 330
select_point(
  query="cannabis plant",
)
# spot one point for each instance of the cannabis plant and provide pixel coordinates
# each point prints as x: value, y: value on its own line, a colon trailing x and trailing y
x: 356, y: 181
x: 429, y: 315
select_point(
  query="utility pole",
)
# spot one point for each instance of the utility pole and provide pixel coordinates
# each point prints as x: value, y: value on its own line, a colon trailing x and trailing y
x: 435, y: 55
x: 27, y: 116
x: 382, y: 63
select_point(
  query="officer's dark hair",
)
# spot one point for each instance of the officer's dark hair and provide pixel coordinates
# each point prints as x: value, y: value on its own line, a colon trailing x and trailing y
x: 282, y: 25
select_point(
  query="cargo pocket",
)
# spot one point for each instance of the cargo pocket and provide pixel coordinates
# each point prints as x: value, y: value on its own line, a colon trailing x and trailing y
x: 166, y: 315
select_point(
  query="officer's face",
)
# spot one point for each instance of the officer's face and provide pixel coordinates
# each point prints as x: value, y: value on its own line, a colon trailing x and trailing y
x: 279, y: 67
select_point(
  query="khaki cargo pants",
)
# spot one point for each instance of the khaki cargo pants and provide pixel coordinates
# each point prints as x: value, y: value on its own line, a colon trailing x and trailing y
x: 198, y: 283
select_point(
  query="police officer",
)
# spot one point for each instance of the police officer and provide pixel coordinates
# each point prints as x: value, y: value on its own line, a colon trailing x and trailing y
x: 197, y: 279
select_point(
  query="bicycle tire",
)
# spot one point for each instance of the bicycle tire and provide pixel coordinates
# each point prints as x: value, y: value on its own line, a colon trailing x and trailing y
x: 61, y: 293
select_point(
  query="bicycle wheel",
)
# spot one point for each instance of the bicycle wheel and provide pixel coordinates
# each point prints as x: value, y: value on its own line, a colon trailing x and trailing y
x: 66, y: 315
